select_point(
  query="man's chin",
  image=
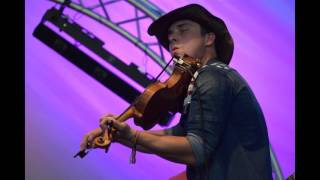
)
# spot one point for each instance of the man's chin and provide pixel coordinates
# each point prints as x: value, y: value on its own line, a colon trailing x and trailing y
x: 177, y: 54
x: 180, y: 55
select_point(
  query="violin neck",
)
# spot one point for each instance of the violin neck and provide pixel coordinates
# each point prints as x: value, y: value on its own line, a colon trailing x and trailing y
x: 127, y: 114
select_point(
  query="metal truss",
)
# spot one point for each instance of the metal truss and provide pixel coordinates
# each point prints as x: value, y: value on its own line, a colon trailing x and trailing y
x: 276, y: 170
x: 146, y: 8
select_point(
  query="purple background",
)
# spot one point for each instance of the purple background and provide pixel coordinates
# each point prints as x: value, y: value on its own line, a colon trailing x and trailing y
x: 63, y: 103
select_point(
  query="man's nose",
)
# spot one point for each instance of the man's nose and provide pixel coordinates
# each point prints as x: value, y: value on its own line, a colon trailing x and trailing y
x: 173, y: 37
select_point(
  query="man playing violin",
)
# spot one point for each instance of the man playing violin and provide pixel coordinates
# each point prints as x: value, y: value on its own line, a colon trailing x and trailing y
x: 222, y: 132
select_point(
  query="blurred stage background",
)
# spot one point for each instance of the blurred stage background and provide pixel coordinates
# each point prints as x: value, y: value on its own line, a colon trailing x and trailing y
x: 62, y: 103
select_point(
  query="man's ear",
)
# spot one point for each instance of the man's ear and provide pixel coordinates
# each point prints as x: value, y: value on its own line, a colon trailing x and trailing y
x: 210, y: 38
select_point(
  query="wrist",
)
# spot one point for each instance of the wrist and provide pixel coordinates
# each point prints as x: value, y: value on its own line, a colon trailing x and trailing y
x: 132, y: 135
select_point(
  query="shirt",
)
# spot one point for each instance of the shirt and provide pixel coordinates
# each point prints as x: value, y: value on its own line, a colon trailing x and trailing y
x: 226, y: 128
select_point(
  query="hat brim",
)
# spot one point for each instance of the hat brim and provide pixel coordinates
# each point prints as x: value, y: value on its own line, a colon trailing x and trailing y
x: 224, y: 42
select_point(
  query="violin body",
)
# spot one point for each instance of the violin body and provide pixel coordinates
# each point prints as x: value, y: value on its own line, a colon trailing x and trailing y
x: 160, y: 98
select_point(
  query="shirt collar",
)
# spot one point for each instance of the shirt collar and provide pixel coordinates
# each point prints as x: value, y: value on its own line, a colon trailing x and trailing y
x: 213, y: 60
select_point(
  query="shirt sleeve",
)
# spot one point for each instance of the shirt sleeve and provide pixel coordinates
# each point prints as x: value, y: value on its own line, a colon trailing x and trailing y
x: 207, y: 118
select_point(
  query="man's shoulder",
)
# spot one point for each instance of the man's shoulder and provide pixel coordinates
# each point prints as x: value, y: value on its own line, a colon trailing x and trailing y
x: 222, y: 73
x: 216, y: 70
x: 212, y: 76
x: 217, y: 67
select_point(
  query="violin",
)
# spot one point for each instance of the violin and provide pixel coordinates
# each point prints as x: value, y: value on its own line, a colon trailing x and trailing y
x: 157, y: 100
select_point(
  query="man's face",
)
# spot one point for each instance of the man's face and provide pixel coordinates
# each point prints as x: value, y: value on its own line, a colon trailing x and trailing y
x: 185, y: 38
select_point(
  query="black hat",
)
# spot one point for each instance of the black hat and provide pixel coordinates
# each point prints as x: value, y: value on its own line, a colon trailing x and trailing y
x: 197, y: 13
